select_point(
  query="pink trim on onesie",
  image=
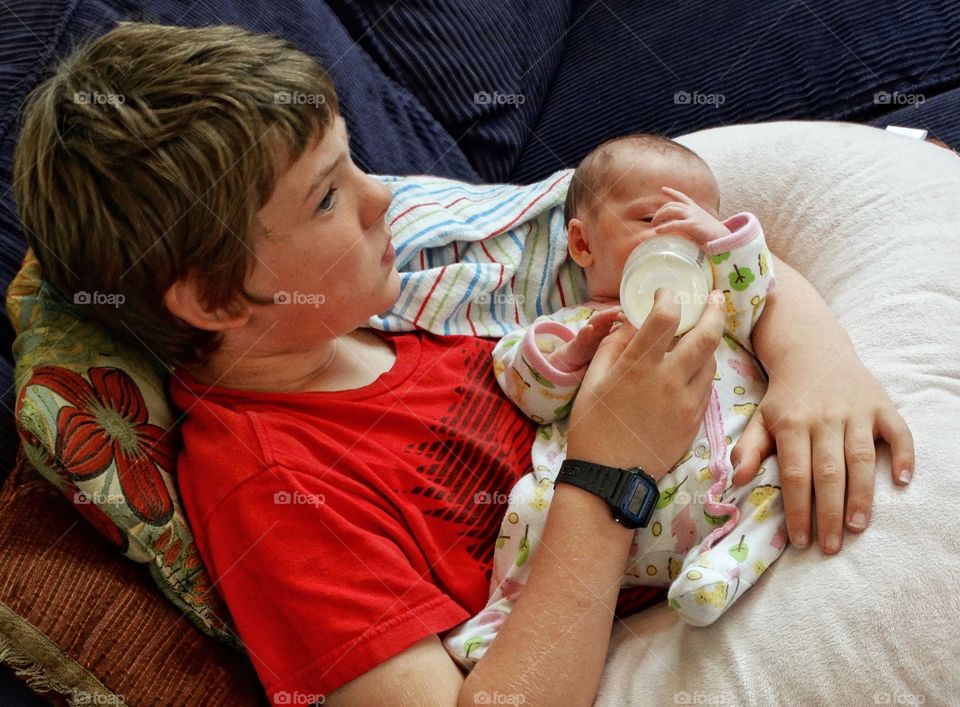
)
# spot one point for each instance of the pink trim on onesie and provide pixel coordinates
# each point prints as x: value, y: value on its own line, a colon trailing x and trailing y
x: 743, y: 227
x: 529, y: 350
x: 713, y: 421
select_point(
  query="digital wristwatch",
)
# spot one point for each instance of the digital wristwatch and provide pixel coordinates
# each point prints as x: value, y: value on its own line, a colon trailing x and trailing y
x: 631, y: 493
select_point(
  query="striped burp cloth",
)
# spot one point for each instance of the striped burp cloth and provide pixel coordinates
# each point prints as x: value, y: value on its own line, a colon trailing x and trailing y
x: 478, y: 259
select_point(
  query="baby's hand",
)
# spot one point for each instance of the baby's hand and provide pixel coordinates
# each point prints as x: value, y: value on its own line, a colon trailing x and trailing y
x: 579, y: 351
x: 684, y: 216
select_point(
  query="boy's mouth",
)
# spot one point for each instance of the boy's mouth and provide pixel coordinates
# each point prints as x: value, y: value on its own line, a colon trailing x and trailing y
x: 389, y: 254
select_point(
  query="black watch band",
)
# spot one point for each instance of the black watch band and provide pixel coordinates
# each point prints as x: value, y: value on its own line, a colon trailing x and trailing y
x: 631, y: 493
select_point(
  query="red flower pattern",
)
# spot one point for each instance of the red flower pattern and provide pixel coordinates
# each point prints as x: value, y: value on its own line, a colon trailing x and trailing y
x: 106, y: 421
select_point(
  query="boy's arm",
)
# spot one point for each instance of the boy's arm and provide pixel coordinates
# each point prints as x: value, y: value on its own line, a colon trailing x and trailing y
x: 522, y: 364
x: 742, y: 268
x: 824, y: 434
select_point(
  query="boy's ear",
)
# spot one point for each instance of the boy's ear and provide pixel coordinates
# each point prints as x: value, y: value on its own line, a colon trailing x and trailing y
x: 183, y: 299
x: 578, y: 243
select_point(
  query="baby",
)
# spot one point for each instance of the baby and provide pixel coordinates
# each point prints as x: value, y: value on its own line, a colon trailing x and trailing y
x: 707, y: 540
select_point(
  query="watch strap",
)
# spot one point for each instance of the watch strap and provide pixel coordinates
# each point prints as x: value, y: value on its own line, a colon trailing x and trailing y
x: 604, y: 481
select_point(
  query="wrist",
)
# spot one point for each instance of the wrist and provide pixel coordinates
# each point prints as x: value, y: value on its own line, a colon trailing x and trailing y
x: 631, y: 494
x: 782, y: 353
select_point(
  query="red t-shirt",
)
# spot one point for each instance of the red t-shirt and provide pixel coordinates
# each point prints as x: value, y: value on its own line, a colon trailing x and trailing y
x: 341, y: 528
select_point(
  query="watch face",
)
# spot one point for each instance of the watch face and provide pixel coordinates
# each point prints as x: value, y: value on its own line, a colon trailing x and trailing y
x: 635, y: 502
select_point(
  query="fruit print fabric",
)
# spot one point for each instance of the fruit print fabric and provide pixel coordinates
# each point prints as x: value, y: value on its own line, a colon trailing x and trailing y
x: 746, y: 526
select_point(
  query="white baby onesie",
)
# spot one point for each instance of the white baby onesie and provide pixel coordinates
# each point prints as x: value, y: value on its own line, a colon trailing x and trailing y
x: 707, y: 540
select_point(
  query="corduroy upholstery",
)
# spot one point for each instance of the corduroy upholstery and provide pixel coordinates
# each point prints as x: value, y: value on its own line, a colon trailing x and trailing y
x: 412, y: 80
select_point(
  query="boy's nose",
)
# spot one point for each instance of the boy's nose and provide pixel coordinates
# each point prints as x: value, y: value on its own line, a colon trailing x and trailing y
x: 379, y: 199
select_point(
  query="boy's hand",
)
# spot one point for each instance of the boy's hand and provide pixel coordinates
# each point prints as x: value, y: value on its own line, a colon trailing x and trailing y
x: 825, y: 434
x: 579, y: 351
x: 645, y: 392
x: 685, y: 217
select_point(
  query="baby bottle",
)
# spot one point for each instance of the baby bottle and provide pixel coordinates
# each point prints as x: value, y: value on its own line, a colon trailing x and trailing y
x: 666, y: 261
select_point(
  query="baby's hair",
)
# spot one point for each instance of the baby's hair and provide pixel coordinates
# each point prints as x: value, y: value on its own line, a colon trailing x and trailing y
x: 585, y: 183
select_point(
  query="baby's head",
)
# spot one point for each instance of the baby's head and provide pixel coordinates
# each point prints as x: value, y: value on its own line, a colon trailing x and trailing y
x: 614, y: 193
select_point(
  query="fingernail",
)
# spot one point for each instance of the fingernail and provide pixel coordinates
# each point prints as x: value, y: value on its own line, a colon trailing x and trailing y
x: 832, y: 543
x: 858, y: 521
x: 905, y: 476
x: 800, y: 539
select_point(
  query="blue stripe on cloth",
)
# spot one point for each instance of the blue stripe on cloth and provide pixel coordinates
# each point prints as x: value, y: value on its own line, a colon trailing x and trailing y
x: 534, y: 247
x: 503, y: 210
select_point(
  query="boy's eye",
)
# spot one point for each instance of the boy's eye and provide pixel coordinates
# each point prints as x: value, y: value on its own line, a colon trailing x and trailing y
x: 326, y: 203
x: 647, y: 219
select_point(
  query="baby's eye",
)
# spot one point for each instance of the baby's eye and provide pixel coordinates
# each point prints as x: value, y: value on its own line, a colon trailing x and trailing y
x: 647, y: 219
x: 326, y: 203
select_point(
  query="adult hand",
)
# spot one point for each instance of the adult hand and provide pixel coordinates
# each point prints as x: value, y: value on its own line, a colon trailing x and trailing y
x: 644, y: 396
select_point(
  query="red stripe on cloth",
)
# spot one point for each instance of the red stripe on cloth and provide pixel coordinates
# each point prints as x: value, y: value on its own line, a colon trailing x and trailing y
x: 416, y: 319
x: 469, y: 320
x: 563, y: 300
x: 527, y: 207
x: 415, y: 206
x: 487, y: 252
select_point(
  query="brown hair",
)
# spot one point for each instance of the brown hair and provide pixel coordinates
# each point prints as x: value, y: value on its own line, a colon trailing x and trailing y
x: 582, y: 194
x: 147, y: 155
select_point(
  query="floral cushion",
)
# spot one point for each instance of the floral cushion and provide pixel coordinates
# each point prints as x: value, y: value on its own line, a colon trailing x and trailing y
x: 94, y: 420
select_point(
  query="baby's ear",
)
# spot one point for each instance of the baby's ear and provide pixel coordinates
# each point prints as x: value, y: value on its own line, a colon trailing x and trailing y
x: 578, y: 243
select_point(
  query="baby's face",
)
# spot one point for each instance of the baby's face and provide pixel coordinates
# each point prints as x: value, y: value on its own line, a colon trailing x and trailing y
x: 626, y: 202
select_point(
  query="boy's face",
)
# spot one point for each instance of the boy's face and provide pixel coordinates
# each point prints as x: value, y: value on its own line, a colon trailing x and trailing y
x: 602, y: 239
x: 327, y: 246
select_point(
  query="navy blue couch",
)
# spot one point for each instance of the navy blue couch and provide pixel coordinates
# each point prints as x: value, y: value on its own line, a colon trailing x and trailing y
x: 510, y: 90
